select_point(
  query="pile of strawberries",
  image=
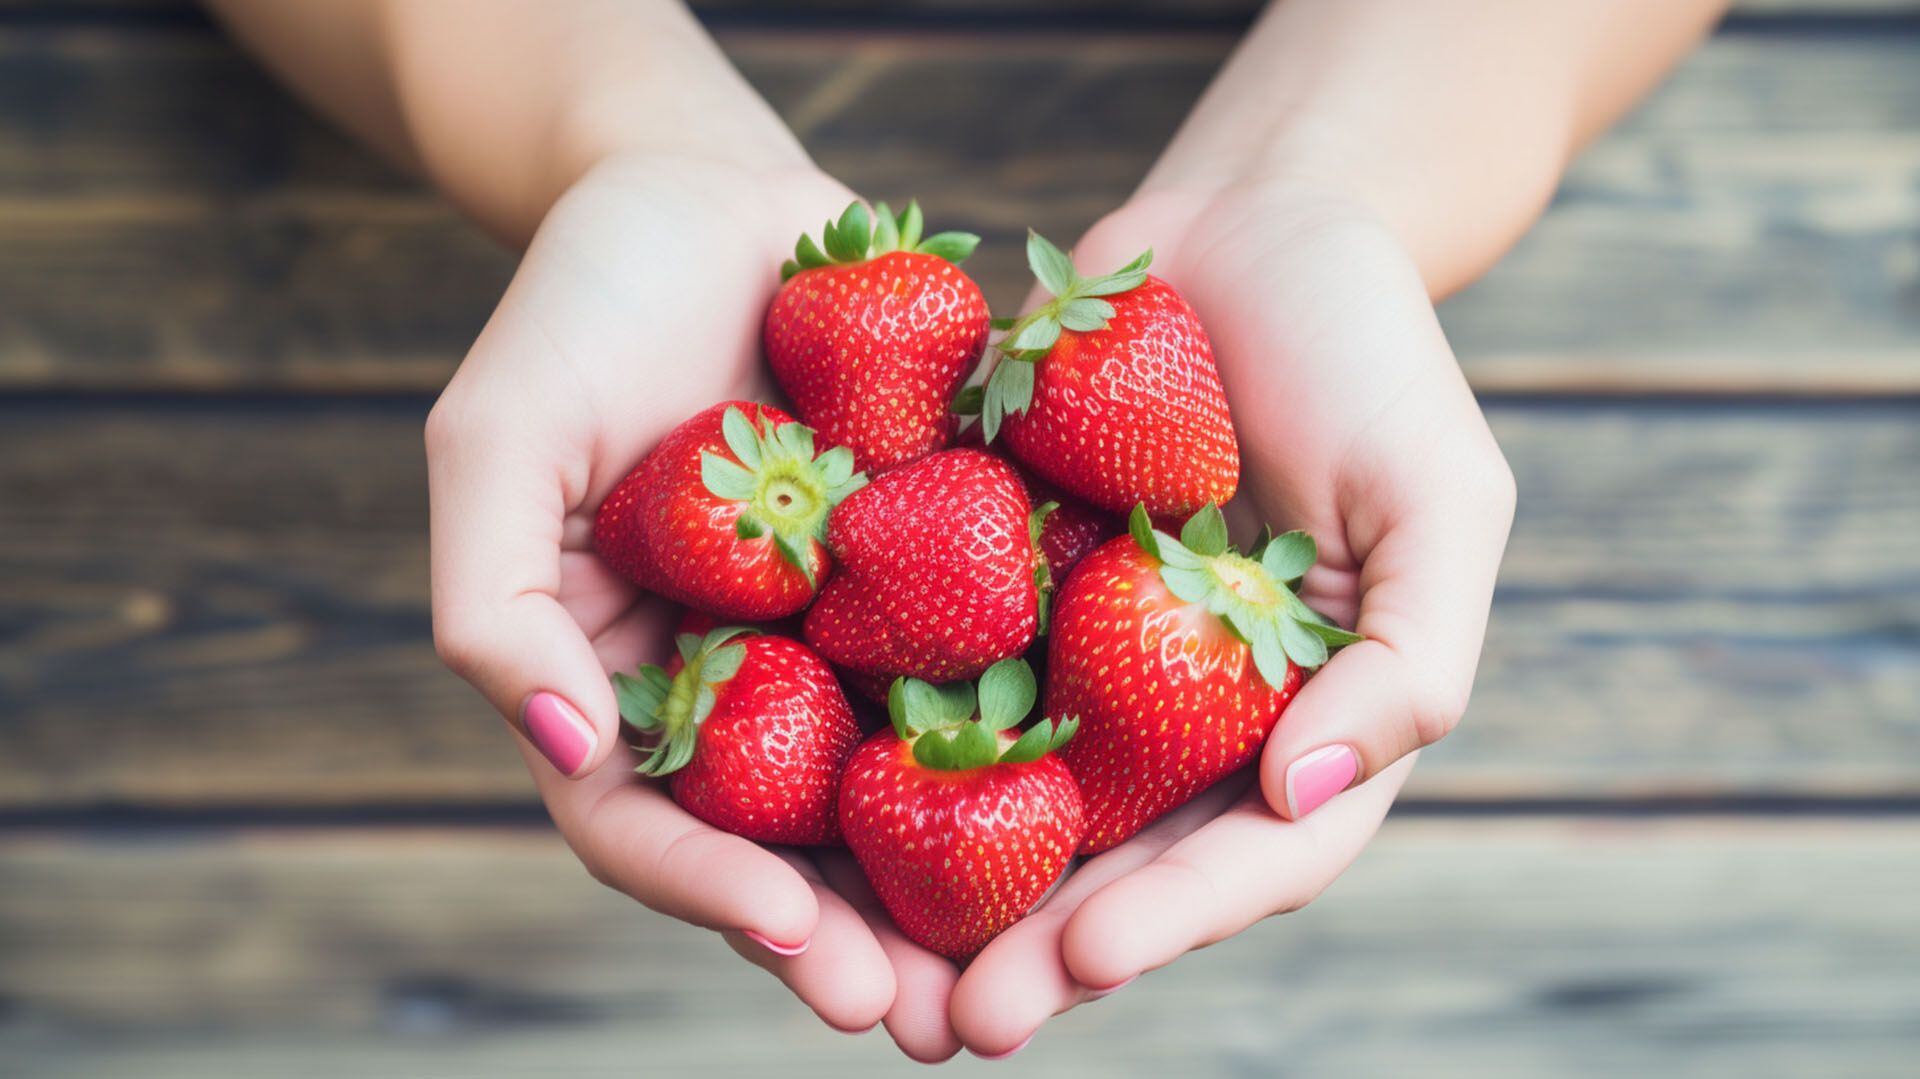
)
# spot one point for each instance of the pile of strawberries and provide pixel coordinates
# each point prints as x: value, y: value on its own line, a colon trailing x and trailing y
x: 930, y: 570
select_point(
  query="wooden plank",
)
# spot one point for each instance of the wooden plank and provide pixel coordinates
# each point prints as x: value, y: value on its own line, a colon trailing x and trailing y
x: 1453, y: 948
x: 169, y: 220
x: 226, y: 604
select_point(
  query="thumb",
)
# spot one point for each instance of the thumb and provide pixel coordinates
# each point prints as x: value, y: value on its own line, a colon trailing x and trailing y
x: 497, y: 516
x: 1426, y: 587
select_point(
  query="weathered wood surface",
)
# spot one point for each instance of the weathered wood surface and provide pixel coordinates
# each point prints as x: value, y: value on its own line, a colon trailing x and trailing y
x: 1484, y: 948
x: 227, y: 603
x: 168, y: 219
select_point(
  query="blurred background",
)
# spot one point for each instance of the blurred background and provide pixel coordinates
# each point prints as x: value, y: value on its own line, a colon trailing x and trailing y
x: 248, y: 826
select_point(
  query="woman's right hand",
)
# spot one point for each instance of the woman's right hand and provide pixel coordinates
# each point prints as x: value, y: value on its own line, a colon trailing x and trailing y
x: 638, y: 304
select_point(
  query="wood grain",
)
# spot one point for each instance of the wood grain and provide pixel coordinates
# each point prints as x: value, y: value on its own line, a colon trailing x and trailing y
x: 169, y: 220
x: 1474, y: 948
x: 226, y: 604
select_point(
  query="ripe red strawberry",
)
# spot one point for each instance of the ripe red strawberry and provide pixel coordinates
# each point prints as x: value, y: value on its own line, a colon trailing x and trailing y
x: 753, y: 730
x: 935, y: 575
x: 728, y: 514
x: 1109, y: 391
x: 1178, y: 656
x: 872, y: 336
x: 1064, y: 531
x: 961, y: 826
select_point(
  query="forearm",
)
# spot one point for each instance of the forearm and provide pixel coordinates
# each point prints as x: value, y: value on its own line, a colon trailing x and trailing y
x: 1453, y: 121
x: 504, y: 103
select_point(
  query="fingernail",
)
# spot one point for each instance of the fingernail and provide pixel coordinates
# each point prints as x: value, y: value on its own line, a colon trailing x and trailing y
x: 1318, y: 776
x: 1112, y: 989
x: 779, y: 949
x: 560, y: 733
x: 1005, y: 1055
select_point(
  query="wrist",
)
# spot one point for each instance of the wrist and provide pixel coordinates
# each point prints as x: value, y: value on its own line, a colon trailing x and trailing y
x: 1311, y: 164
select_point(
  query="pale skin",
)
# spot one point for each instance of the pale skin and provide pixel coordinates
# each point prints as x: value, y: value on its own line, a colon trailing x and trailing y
x: 1354, y: 162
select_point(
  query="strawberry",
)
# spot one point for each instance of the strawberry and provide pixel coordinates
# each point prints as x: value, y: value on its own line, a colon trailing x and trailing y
x: 962, y: 825
x: 1063, y: 529
x: 1178, y: 656
x: 1109, y: 391
x: 728, y: 514
x: 871, y: 336
x: 753, y: 730
x: 935, y: 575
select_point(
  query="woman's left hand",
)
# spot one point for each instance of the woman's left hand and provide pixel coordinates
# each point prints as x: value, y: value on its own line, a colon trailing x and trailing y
x: 1356, y: 424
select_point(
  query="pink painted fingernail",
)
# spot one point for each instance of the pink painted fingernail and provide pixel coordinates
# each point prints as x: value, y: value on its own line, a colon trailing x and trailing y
x: 558, y: 731
x: 1318, y: 776
x: 1008, y: 1053
x: 1112, y: 989
x: 779, y: 949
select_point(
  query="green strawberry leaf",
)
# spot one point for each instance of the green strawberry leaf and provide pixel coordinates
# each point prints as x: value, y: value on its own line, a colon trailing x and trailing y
x: 1007, y: 694
x: 848, y: 240
x: 796, y: 439
x: 1205, y: 533
x: 740, y: 436
x: 1063, y: 732
x: 688, y: 645
x: 1302, y: 645
x: 1268, y: 656
x: 975, y: 746
x: 1125, y: 279
x: 1031, y: 745
x: 796, y: 552
x: 836, y: 467
x: 897, y: 708
x: 1003, y: 323
x: 1191, y: 585
x: 1141, y: 527
x: 952, y: 246
x: 1050, y: 264
x: 886, y: 229
x: 1289, y: 556
x: 724, y: 479
x: 748, y: 527
x: 1332, y: 636
x: 723, y: 664
x: 1036, y: 336
x: 912, y: 223
x: 934, y: 750
x: 1086, y: 314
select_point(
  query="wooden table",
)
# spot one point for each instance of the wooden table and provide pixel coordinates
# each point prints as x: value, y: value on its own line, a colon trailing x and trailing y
x: 249, y: 827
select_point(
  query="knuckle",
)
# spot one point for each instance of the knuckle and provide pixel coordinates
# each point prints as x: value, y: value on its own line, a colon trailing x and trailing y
x: 458, y: 642
x: 1437, y: 705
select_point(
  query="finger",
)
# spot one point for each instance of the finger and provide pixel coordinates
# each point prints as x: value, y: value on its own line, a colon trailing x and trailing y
x: 633, y: 838
x: 1242, y: 867
x: 843, y: 975
x: 498, y: 502
x: 923, y: 981
x: 1426, y: 585
x: 1021, y: 979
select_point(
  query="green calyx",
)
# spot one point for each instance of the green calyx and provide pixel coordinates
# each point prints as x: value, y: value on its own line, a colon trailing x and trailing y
x: 667, y: 710
x: 1043, y: 582
x: 785, y: 491
x: 1254, y: 594
x: 1077, y: 305
x: 859, y: 236
x: 956, y: 727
